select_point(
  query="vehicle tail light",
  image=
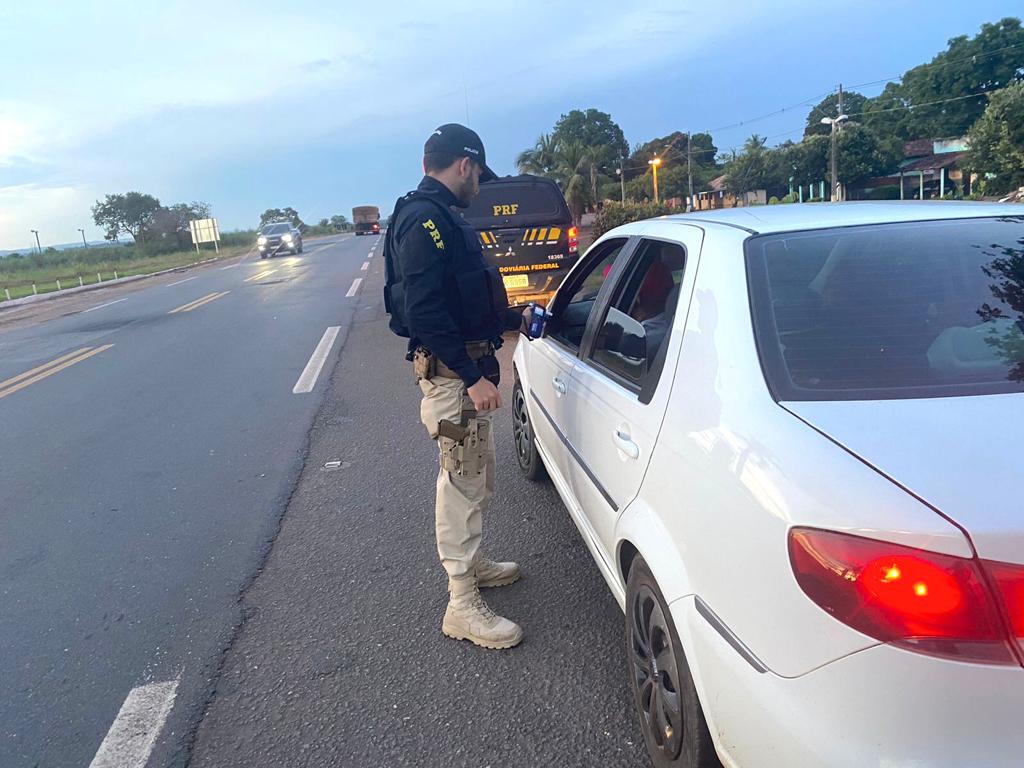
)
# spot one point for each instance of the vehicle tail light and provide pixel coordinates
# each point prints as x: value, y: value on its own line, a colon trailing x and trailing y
x: 574, y: 239
x: 1010, y: 581
x: 912, y: 598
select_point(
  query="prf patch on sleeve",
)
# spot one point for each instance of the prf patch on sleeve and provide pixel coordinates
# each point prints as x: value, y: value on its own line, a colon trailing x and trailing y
x: 431, y: 227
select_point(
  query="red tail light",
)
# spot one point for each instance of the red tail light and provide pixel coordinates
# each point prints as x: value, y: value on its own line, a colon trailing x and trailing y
x: 919, y: 600
x: 574, y: 239
x: 1010, y: 581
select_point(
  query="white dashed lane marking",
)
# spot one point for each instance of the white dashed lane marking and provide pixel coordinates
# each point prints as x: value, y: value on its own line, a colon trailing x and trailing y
x: 316, y: 362
x: 355, y: 288
x: 131, y: 738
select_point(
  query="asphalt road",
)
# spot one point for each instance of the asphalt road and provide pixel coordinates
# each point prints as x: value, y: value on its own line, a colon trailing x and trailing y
x: 174, y: 539
x: 143, y: 475
x: 341, y: 661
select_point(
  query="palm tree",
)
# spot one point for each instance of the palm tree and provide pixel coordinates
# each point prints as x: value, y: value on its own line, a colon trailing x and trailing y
x: 573, y: 161
x: 540, y: 159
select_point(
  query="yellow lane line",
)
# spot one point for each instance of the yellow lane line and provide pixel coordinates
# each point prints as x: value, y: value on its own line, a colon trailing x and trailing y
x: 203, y: 302
x: 41, y: 368
x: 80, y: 355
x: 261, y: 275
x: 184, y: 307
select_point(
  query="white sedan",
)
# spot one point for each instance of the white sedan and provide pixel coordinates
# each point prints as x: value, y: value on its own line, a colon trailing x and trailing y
x: 788, y: 436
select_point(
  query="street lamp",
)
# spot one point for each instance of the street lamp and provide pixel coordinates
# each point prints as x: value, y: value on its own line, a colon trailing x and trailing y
x: 835, y: 123
x: 36, y: 233
x: 84, y: 241
x: 654, y: 164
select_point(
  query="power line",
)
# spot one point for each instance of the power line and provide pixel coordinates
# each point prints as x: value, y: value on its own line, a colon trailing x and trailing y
x: 925, y: 103
x: 930, y: 65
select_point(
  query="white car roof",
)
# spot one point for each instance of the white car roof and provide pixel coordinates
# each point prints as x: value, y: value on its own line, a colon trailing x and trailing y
x: 763, y: 219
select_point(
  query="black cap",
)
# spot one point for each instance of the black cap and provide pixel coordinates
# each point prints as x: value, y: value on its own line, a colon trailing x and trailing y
x: 459, y: 140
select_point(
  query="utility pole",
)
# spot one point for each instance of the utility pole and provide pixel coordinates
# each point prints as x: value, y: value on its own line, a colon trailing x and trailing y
x: 622, y: 178
x: 836, y: 190
x: 84, y: 241
x: 36, y: 233
x: 689, y: 173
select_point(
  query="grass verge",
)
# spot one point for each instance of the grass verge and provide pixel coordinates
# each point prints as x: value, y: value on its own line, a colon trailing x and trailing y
x: 19, y: 281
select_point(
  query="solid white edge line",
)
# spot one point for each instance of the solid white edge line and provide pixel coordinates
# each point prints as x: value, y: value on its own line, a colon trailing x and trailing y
x: 101, y: 306
x: 316, y: 362
x: 232, y: 266
x: 366, y: 266
x: 130, y: 739
x: 179, y: 282
x: 355, y: 287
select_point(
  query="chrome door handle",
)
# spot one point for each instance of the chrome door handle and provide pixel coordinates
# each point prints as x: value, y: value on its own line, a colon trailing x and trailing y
x: 625, y: 444
x: 559, y: 386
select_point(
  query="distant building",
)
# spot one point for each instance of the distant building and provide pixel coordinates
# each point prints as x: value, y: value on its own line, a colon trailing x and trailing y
x: 716, y: 196
x: 931, y: 169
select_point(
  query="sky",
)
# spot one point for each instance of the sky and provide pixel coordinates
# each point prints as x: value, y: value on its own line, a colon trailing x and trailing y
x: 323, y: 105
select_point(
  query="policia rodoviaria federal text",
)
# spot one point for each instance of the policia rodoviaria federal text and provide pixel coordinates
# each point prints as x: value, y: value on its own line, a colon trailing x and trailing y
x: 452, y: 307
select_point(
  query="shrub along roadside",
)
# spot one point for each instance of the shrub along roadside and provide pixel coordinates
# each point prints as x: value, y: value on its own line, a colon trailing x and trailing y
x: 616, y: 214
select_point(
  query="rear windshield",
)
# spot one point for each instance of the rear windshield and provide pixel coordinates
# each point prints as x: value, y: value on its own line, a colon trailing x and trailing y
x: 276, y: 229
x: 515, y: 205
x: 928, y: 309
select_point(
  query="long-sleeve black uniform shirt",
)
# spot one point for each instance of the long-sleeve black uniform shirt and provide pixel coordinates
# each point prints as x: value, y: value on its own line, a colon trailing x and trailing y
x: 451, y: 295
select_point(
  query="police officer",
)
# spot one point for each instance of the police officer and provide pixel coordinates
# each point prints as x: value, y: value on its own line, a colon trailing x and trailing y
x: 452, y: 307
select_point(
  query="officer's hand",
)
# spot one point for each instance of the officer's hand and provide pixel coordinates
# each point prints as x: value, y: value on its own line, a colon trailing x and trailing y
x: 485, y: 396
x: 527, y: 319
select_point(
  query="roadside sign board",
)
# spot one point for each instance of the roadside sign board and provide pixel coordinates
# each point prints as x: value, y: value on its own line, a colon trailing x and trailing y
x: 204, y: 231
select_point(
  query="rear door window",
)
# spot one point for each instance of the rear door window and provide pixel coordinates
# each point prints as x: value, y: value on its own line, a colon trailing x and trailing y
x: 926, y: 309
x: 640, y: 317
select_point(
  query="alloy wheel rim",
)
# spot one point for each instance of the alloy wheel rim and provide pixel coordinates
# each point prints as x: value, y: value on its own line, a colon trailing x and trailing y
x: 521, y: 428
x: 655, y: 673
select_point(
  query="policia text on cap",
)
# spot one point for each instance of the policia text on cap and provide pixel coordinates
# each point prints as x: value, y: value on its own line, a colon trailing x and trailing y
x: 452, y: 307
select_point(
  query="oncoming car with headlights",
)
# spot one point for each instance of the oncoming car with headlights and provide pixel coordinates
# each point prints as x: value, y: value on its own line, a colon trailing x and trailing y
x: 786, y: 434
x: 278, y: 237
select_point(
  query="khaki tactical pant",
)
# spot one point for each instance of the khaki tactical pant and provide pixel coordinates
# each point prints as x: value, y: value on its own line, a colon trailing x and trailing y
x: 461, y: 501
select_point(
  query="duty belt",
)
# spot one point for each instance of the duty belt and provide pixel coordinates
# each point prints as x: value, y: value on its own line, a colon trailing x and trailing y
x: 476, y: 350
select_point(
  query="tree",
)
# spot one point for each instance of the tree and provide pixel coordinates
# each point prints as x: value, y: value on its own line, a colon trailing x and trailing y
x: 997, y: 140
x: 808, y: 160
x: 862, y: 155
x: 755, y: 168
x: 339, y: 221
x: 596, y: 130
x: 324, y: 223
x: 172, y: 222
x: 540, y: 159
x: 572, y: 169
x: 853, y: 104
x: 282, y: 214
x: 129, y: 213
x: 947, y: 95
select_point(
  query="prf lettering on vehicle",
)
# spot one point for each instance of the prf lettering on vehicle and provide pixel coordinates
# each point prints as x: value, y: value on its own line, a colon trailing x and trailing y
x: 505, y: 210
x: 431, y: 227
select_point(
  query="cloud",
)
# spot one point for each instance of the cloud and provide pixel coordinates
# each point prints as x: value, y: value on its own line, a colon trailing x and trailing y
x: 56, y: 212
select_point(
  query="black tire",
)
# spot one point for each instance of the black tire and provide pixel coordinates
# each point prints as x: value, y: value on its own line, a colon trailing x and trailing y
x: 530, y: 463
x: 675, y: 731
x: 300, y: 249
x: 263, y: 255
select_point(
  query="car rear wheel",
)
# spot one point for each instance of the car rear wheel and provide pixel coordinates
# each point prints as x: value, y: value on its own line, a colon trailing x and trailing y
x: 530, y: 462
x: 673, y: 724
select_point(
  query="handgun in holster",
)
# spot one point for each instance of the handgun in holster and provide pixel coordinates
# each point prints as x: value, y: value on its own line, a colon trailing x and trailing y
x: 463, y: 445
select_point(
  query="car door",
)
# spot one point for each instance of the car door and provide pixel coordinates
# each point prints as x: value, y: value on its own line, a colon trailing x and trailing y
x: 620, y: 385
x: 553, y: 356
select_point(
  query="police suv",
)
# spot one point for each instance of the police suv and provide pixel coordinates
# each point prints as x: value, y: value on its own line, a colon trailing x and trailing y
x: 527, y: 232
